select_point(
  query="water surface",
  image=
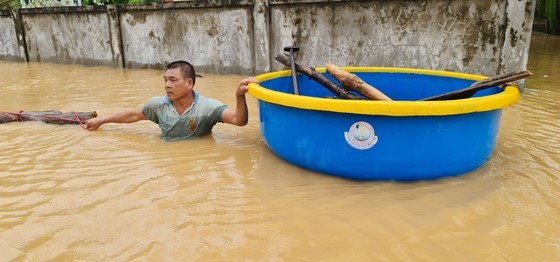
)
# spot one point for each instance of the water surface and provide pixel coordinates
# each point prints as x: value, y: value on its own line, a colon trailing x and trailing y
x: 122, y: 193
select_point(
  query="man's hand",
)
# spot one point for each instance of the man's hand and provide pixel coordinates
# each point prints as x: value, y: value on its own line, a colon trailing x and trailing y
x: 240, y: 116
x: 242, y: 88
x: 94, y: 123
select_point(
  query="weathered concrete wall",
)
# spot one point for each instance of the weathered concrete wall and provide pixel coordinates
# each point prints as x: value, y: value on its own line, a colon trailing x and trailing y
x: 9, y: 47
x: 452, y: 35
x: 69, y: 37
x: 242, y: 37
x: 517, y: 36
x: 217, y: 40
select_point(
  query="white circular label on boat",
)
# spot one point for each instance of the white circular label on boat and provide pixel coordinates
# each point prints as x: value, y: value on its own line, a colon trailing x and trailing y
x: 361, y: 136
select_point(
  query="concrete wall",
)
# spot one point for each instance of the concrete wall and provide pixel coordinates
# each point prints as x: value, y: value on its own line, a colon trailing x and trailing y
x: 62, y: 36
x: 215, y: 39
x: 455, y: 35
x: 242, y: 37
x: 517, y: 36
x: 9, y: 46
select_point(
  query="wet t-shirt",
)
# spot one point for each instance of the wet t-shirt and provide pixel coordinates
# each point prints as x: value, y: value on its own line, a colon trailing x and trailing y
x: 197, y: 120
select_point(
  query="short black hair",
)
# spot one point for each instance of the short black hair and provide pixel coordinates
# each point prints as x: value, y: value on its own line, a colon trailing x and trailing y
x: 187, y: 70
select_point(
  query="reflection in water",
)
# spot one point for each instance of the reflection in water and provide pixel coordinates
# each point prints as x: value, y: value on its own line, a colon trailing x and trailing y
x: 122, y: 193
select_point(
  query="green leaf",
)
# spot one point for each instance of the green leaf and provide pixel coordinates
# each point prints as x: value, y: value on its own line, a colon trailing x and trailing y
x: 551, y: 7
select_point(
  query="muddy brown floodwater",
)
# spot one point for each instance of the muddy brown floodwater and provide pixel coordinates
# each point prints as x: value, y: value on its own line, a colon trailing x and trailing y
x: 121, y: 193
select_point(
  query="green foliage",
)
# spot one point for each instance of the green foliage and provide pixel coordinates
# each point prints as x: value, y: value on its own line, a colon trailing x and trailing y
x: 15, y: 4
x: 116, y: 2
x: 100, y: 2
x: 552, y: 15
x: 134, y: 2
x: 9, y: 4
x: 548, y: 9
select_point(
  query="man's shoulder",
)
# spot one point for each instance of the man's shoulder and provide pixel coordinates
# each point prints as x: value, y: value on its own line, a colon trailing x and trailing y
x: 157, y: 100
x: 207, y: 101
x: 154, y: 105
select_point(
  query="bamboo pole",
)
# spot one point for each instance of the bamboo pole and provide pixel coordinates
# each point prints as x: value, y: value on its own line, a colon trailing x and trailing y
x: 334, y: 88
x: 352, y: 82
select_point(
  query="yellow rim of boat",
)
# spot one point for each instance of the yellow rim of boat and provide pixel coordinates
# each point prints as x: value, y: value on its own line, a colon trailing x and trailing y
x: 390, y: 108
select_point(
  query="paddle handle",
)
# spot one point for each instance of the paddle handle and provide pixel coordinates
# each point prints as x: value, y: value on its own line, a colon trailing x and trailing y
x: 480, y: 85
x: 291, y: 49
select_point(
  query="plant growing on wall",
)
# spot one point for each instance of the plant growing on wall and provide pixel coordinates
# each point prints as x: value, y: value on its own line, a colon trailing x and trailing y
x: 15, y: 4
x: 9, y: 4
x: 117, y: 2
x: 104, y: 2
x: 548, y: 9
x: 48, y: 3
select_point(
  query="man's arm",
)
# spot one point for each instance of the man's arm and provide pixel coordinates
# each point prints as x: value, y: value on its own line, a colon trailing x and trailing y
x: 128, y: 116
x: 240, y: 116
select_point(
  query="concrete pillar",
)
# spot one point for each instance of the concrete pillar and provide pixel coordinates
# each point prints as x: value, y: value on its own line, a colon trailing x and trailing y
x: 517, y: 35
x: 20, y: 35
x: 115, y: 36
x: 261, y: 41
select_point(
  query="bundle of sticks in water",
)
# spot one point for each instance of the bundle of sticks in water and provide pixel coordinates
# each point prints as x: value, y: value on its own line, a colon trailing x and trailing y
x: 351, y: 82
x: 51, y: 117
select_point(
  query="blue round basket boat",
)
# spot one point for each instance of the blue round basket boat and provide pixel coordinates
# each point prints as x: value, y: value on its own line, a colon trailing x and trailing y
x: 403, y: 140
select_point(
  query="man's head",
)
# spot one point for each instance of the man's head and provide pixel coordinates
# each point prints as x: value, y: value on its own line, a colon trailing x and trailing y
x: 179, y: 81
x: 187, y: 70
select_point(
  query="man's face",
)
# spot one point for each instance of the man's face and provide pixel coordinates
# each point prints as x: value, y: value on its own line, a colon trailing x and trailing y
x: 176, y: 86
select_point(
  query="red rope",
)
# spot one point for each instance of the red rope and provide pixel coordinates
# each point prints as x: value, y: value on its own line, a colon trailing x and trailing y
x: 19, y: 118
x: 79, y: 120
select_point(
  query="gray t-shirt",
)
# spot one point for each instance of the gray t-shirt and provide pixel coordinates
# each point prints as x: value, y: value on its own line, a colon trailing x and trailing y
x: 196, y: 121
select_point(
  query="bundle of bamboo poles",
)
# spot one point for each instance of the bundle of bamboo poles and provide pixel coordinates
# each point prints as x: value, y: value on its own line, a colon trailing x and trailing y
x: 50, y: 116
x: 351, y: 82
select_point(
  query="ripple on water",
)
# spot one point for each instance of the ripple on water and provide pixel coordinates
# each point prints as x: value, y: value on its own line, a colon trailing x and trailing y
x: 122, y: 193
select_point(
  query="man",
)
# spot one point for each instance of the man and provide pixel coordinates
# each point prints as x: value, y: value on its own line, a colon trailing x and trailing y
x: 183, y: 112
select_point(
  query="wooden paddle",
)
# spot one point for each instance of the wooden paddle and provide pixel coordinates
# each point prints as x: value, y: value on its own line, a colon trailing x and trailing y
x: 480, y: 85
